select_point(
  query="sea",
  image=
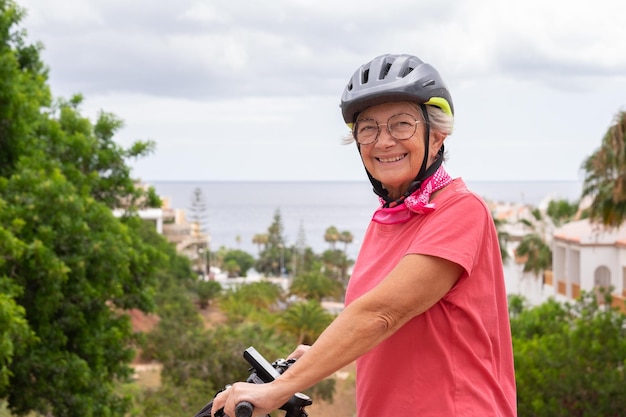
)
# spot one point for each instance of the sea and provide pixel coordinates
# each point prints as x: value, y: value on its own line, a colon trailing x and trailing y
x: 237, y: 210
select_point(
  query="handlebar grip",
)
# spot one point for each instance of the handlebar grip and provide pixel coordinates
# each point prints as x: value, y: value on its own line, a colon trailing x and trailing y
x: 244, y: 409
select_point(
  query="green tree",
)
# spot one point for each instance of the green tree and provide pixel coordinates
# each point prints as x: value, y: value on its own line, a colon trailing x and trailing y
x: 537, y: 254
x: 561, y: 211
x: 207, y: 291
x: 315, y: 286
x: 272, y: 259
x: 73, y: 268
x: 305, y: 320
x: 22, y: 93
x: 80, y: 268
x: 308, y: 261
x: 242, y: 260
x: 15, y: 335
x: 534, y: 247
x: 232, y: 268
x: 569, y: 359
x: 176, y: 273
x: 88, y: 157
x: 23, y: 88
x: 336, y: 264
x: 346, y: 238
x: 517, y: 304
x: 245, y: 301
x: 332, y: 236
x: 261, y: 240
x: 605, y: 176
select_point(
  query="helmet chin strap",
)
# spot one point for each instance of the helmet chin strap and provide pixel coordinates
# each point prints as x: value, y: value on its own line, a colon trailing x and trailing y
x: 423, y: 174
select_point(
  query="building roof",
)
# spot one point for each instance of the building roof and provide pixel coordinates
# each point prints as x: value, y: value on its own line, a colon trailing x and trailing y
x: 586, y: 233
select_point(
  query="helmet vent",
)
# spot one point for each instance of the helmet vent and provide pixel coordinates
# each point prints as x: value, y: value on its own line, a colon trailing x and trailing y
x: 365, y: 76
x: 406, y: 72
x: 428, y: 83
x: 384, y: 71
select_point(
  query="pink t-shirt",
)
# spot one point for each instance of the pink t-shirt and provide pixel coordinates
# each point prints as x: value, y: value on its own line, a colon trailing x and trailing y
x: 456, y: 358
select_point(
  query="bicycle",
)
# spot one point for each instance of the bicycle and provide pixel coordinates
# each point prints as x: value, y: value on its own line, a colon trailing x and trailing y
x: 263, y: 372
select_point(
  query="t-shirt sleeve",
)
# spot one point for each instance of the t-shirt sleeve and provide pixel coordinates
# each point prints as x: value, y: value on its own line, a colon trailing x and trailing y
x: 454, y: 231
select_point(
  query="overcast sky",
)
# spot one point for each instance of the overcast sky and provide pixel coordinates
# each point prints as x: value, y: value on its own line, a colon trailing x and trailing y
x: 249, y: 90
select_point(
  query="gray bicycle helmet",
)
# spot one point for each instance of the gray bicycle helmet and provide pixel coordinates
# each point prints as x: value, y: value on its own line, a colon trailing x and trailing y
x: 394, y: 78
x: 389, y: 78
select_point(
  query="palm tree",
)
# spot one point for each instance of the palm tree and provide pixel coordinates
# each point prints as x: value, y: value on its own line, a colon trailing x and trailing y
x: 605, y: 176
x: 534, y: 248
x: 347, y: 238
x: 561, y: 211
x: 306, y: 320
x: 232, y: 268
x: 331, y: 236
x: 315, y: 286
x: 537, y: 253
x: 261, y: 240
x: 537, y: 224
x: 336, y: 264
x: 249, y: 300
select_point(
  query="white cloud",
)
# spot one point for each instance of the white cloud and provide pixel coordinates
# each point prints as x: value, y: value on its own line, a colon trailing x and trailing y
x: 528, y: 78
x: 203, y: 12
x: 74, y: 12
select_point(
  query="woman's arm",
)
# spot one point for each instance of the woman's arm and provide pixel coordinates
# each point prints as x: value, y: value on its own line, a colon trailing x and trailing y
x: 412, y: 287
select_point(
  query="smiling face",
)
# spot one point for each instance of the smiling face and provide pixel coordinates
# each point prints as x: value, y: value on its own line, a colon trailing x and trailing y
x: 396, y: 163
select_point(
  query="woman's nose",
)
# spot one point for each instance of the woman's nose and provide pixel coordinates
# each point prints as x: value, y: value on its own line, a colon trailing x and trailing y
x: 384, y: 136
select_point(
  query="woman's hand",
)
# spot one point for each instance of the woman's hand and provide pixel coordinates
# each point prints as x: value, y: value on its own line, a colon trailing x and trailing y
x: 262, y: 396
x: 300, y: 350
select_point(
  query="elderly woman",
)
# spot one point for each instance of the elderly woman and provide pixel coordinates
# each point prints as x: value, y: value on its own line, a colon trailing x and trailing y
x: 426, y: 315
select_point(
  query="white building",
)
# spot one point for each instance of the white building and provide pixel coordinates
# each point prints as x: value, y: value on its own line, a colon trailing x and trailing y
x: 586, y: 257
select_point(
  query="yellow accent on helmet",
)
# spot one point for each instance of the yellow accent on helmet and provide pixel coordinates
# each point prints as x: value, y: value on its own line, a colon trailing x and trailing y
x: 442, y: 103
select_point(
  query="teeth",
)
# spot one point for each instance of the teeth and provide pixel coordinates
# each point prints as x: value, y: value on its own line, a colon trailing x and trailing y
x: 394, y: 159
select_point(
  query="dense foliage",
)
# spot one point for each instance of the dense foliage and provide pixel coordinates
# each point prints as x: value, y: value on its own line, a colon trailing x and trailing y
x: 69, y: 268
x: 570, y: 358
x: 198, y: 361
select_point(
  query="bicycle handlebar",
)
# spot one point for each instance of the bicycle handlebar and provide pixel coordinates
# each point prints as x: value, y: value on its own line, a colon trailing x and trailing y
x: 244, y: 409
x: 264, y: 372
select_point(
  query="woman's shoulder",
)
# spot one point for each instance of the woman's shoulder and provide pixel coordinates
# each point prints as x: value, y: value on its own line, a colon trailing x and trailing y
x: 457, y: 191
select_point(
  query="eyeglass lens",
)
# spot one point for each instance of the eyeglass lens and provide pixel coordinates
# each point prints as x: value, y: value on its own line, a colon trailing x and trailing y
x: 400, y: 126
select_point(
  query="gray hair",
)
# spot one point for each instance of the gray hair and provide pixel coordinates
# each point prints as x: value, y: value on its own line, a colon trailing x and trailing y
x: 439, y: 120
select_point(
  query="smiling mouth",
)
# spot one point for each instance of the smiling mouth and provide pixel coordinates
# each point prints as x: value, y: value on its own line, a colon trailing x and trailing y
x: 394, y: 159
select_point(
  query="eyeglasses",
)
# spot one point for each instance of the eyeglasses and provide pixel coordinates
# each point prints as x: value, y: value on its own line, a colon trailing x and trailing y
x: 400, y: 126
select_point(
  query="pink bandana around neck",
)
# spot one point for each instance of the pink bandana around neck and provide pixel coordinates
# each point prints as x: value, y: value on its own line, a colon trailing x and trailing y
x: 416, y: 203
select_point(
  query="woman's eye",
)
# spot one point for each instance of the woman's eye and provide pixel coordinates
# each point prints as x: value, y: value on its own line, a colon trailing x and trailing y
x: 367, y: 128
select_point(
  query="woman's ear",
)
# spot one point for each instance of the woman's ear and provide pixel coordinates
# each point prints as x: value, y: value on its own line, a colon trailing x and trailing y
x: 436, y: 141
